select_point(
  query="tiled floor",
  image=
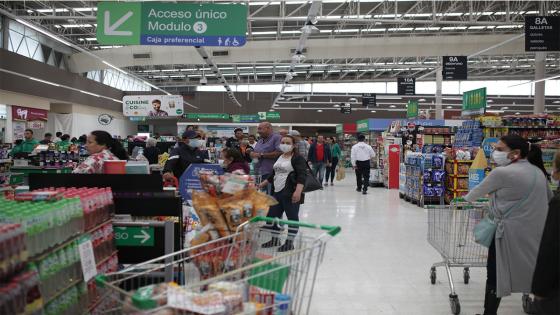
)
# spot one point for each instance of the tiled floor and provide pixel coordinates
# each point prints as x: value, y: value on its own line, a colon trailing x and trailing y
x: 379, y: 263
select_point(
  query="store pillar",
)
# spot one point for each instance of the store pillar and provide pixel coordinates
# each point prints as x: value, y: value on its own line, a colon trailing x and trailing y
x: 439, y: 83
x: 9, y: 134
x: 539, y: 86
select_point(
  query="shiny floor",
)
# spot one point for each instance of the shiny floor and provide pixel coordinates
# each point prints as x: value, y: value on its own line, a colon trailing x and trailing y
x: 380, y: 262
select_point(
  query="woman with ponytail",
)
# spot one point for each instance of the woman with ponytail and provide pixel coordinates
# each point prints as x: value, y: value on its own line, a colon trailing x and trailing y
x: 519, y: 194
x: 101, y: 147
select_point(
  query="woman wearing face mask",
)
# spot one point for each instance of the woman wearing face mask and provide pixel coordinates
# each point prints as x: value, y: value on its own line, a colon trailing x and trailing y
x: 233, y: 161
x: 287, y: 178
x: 546, y: 278
x: 519, y: 194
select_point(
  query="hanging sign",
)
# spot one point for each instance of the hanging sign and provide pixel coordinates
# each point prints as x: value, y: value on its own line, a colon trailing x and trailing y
x: 362, y: 125
x: 454, y: 68
x: 542, y: 33
x: 474, y: 102
x: 28, y: 113
x: 339, y: 129
x: 346, y: 109
x: 412, y: 109
x: 369, y: 100
x: 207, y: 116
x: 154, y: 106
x: 171, y: 24
x: 406, y: 86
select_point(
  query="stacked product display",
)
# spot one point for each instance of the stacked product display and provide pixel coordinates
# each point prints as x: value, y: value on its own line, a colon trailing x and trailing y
x: 457, y: 168
x: 469, y: 135
x: 425, y: 178
x: 528, y: 126
x: 43, y: 234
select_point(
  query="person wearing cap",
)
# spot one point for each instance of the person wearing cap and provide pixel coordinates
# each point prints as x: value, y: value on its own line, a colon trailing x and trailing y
x: 302, y: 145
x: 184, y: 155
x: 234, y: 141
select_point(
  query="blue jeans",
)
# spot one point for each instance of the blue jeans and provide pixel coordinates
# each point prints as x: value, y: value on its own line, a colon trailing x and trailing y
x: 319, y: 170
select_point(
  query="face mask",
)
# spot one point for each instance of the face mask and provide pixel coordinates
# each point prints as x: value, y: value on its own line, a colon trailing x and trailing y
x: 285, y: 147
x: 202, y: 143
x: 501, y: 158
x: 194, y: 143
x: 222, y: 164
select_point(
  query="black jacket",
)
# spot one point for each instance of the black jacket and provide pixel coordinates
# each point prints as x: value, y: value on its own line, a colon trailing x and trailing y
x: 182, y: 157
x: 312, y: 155
x: 546, y: 278
x: 151, y: 154
x: 296, y: 177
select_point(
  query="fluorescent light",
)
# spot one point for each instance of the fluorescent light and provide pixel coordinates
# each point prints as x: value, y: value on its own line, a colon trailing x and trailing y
x: 422, y: 100
x: 490, y: 101
x: 319, y: 111
x: 89, y: 93
x: 91, y: 39
x: 556, y: 102
x: 505, y: 107
x: 51, y: 10
x: 373, y: 111
x: 517, y: 113
x: 271, y: 110
x: 43, y: 81
x: 392, y: 106
x: 76, y: 25
x: 84, y: 9
x: 336, y: 105
x: 449, y: 107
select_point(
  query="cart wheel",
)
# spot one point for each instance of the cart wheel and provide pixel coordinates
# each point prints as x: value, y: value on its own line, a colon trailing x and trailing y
x: 455, y: 305
x: 528, y: 306
x: 433, y: 275
x: 466, y: 275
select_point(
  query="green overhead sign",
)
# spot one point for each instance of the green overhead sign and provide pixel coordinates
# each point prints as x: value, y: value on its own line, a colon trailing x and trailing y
x: 134, y: 236
x: 362, y: 125
x: 269, y: 115
x: 339, y: 129
x: 412, y: 109
x: 207, y: 116
x: 474, y: 102
x: 171, y: 24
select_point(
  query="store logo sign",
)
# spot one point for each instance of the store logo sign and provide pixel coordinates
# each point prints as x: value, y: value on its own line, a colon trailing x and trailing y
x: 104, y: 119
x: 22, y: 113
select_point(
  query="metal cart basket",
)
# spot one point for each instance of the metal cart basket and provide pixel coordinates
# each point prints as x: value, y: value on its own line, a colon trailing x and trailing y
x: 450, y: 232
x: 274, y: 282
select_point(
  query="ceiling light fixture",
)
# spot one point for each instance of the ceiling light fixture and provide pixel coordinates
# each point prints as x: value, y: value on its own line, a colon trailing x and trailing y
x: 392, y: 106
x: 449, y: 107
x: 43, y: 81
x: 373, y: 111
x: 319, y: 111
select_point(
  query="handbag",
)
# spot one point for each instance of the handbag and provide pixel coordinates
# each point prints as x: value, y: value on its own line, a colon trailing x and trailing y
x: 311, y: 182
x: 485, y: 230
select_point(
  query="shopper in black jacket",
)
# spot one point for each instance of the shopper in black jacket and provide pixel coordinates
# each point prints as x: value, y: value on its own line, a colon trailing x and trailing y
x: 184, y: 155
x: 546, y: 278
x: 287, y: 178
x: 152, y: 152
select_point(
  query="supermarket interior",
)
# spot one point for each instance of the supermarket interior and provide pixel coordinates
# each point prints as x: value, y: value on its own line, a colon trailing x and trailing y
x: 279, y: 157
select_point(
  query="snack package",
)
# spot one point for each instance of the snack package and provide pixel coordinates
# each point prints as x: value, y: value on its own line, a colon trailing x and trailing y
x: 201, y: 200
x: 437, y: 161
x: 232, y: 209
x: 438, y: 175
x: 261, y: 203
x: 216, y: 217
x: 427, y: 176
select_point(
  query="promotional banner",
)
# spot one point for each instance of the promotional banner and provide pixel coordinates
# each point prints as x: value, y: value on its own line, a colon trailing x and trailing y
x: 412, y: 109
x: 362, y: 125
x: 474, y: 102
x: 171, y: 24
x: 28, y: 114
x: 153, y: 105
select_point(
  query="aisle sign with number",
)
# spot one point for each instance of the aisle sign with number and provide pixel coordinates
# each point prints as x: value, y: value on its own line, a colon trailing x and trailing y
x: 474, y: 102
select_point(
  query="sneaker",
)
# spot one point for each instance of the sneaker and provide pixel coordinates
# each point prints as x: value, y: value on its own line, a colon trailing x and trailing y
x: 272, y: 243
x: 289, y: 245
x: 364, y: 192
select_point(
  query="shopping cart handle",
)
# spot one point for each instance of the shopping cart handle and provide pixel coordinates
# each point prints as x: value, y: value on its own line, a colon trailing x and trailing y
x: 332, y: 230
x: 460, y: 199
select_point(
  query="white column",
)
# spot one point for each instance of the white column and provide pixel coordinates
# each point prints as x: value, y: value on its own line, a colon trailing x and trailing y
x: 9, y: 136
x: 539, y: 86
x: 439, y: 83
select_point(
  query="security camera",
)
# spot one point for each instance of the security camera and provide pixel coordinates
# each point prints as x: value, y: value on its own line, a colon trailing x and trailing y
x: 203, y: 81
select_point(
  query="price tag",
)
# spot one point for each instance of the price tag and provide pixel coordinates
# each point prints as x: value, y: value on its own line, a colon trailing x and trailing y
x: 87, y: 259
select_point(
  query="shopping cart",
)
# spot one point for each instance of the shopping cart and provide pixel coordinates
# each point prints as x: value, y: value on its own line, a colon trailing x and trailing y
x: 450, y: 232
x: 281, y: 283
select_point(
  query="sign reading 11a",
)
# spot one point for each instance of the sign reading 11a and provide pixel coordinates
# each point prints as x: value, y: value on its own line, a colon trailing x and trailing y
x: 171, y: 24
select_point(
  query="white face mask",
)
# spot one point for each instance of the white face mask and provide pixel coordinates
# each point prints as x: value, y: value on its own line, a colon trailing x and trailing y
x: 285, y: 147
x: 194, y: 143
x: 501, y: 158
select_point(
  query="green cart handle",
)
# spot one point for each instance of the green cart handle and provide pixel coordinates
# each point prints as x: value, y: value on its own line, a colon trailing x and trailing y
x: 460, y: 199
x: 331, y: 230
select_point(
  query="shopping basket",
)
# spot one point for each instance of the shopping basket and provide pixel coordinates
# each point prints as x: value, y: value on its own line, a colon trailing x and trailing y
x: 450, y: 232
x: 263, y: 279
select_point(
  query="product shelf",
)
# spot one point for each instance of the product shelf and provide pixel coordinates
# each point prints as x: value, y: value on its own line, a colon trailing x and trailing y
x: 60, y: 292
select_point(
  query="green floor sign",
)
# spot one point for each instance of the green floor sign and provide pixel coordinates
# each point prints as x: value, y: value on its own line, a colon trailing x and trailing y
x: 134, y: 236
x: 171, y: 24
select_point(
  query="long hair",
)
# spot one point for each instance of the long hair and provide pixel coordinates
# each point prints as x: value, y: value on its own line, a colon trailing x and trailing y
x: 530, y: 151
x: 104, y: 138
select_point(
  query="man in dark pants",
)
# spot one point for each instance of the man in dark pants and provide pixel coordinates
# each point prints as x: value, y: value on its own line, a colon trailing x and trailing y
x: 361, y: 155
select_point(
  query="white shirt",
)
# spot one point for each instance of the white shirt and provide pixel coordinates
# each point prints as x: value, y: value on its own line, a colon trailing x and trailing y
x: 282, y: 168
x: 361, y: 151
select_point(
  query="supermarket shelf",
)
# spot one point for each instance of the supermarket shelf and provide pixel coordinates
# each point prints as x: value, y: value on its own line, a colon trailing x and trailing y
x: 60, y: 292
x: 524, y: 127
x: 106, y: 258
x: 68, y: 241
x: 456, y: 190
x: 5, y: 161
x: 458, y: 161
x: 438, y: 134
x: 458, y: 176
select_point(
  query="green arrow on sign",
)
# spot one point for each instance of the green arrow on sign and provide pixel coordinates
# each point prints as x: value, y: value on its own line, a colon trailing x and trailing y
x: 134, y: 236
x: 119, y: 23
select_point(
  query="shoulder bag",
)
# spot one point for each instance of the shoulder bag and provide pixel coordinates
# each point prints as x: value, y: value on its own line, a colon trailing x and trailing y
x: 485, y: 230
x: 311, y: 182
